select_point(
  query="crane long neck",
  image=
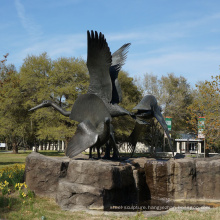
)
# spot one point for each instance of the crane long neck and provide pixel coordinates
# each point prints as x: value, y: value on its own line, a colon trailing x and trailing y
x: 59, y: 109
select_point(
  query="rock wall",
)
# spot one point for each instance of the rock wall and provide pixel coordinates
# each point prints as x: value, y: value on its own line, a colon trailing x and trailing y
x: 186, y: 178
x: 100, y: 184
x: 93, y: 184
x: 96, y: 184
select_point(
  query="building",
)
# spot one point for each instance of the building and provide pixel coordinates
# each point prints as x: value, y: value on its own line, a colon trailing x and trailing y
x: 189, y: 143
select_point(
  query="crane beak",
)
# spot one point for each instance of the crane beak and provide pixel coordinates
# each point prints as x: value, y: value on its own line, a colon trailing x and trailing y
x: 37, y: 107
x: 145, y: 114
x: 160, y: 119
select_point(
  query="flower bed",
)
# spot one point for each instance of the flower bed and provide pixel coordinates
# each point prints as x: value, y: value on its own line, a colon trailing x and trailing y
x: 12, y: 180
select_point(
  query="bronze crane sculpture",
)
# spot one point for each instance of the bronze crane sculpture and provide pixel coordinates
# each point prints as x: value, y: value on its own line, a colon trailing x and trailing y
x: 94, y: 110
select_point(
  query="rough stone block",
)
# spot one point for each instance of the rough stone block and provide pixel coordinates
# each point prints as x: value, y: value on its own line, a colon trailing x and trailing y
x: 186, y: 178
x: 75, y: 183
x: 43, y: 173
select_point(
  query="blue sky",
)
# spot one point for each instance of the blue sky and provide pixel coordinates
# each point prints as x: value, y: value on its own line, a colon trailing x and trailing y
x: 180, y: 37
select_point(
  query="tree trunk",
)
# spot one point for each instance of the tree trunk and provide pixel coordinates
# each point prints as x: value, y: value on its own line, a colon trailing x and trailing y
x: 15, y: 148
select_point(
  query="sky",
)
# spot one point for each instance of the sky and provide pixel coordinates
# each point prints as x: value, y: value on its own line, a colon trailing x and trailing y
x: 166, y: 36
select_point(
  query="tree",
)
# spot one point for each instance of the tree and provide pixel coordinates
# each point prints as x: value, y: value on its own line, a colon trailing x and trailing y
x: 14, y: 121
x: 176, y: 96
x: 61, y: 81
x: 152, y: 85
x: 207, y: 104
x: 173, y: 95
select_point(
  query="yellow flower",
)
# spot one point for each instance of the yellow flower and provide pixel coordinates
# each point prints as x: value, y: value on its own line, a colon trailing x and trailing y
x: 6, y: 183
x: 23, y: 194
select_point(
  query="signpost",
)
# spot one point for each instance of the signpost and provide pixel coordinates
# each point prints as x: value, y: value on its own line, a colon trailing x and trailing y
x: 168, y: 121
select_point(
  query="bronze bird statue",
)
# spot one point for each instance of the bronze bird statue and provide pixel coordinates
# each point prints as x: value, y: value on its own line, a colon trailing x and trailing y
x: 94, y: 110
x: 146, y: 109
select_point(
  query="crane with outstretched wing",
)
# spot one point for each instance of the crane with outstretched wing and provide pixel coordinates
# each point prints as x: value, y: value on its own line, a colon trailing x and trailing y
x: 94, y: 110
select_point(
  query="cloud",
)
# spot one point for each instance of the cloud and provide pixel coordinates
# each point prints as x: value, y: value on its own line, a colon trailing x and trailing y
x: 145, y: 36
x: 194, y: 66
x: 160, y: 49
x: 169, y: 31
x: 27, y: 23
x: 66, y: 45
x: 63, y: 45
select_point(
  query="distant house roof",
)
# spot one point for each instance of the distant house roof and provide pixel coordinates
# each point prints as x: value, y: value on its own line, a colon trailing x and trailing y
x: 190, y: 139
x: 188, y: 136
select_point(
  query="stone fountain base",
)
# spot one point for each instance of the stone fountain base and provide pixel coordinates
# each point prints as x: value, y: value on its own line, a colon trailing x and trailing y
x: 80, y: 183
x: 107, y: 185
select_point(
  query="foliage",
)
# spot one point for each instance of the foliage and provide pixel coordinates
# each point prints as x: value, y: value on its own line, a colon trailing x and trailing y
x: 39, y: 79
x: 176, y: 96
x: 11, y: 179
x: 4, y: 188
x: 4, y: 60
x: 12, y: 174
x: 173, y: 95
x: 24, y: 192
x: 207, y: 104
x: 14, y: 120
x: 61, y: 81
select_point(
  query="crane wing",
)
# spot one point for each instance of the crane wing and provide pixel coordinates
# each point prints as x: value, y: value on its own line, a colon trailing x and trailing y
x: 85, y: 137
x: 119, y: 56
x: 118, y: 60
x: 89, y: 107
x: 98, y: 62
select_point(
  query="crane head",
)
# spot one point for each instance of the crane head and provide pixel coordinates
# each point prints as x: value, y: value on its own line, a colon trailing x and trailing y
x: 45, y: 103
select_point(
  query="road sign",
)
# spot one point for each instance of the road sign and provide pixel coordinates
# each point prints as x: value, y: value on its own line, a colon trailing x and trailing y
x: 168, y: 121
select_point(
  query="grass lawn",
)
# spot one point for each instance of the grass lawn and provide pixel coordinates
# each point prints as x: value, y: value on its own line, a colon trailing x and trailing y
x: 8, y: 159
x: 38, y: 207
x: 14, y: 207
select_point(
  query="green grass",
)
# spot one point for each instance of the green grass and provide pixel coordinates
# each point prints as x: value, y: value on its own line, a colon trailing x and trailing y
x: 212, y: 214
x: 48, y: 208
x: 8, y: 159
x: 39, y: 207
